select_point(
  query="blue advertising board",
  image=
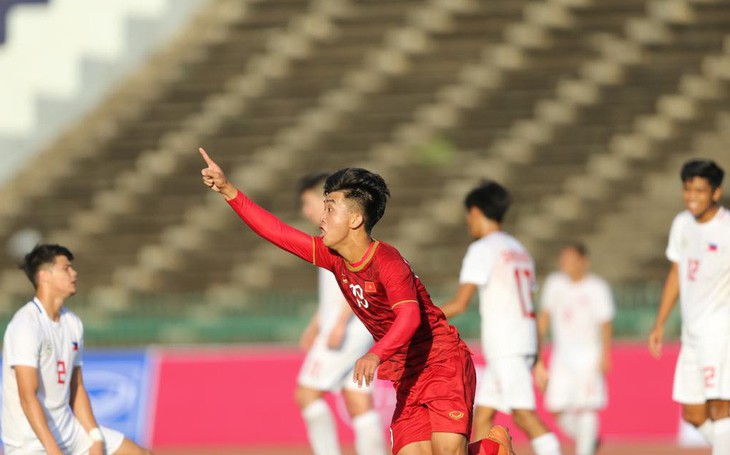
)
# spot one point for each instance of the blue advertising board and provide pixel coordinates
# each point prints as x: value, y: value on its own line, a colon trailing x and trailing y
x: 118, y: 383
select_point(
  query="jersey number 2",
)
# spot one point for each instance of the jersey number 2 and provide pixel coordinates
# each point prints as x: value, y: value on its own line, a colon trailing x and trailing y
x: 524, y: 289
x: 61, y: 369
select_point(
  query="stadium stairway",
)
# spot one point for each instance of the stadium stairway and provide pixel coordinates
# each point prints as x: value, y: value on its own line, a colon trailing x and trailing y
x: 537, y: 155
x: 588, y: 199
x: 57, y: 200
x: 285, y: 154
x: 635, y: 233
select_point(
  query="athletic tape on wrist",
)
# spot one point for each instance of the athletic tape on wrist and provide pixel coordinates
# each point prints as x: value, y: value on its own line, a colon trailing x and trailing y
x: 95, y: 435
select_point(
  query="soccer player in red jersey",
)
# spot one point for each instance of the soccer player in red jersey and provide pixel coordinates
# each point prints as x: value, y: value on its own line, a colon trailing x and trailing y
x: 415, y: 347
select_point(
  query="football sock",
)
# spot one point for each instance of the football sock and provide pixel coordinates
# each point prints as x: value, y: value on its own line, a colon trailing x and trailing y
x: 587, y: 434
x: 321, y: 428
x: 546, y: 444
x: 568, y: 423
x: 706, y: 430
x: 721, y: 436
x: 484, y: 447
x: 369, y: 439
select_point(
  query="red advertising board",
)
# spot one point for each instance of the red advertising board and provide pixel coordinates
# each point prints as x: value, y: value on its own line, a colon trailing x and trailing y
x: 245, y: 397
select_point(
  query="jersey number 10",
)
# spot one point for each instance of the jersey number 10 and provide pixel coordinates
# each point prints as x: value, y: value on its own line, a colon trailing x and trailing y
x: 524, y: 290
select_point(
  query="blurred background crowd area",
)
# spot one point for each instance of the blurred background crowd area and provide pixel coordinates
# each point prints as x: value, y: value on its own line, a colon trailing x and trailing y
x: 584, y: 109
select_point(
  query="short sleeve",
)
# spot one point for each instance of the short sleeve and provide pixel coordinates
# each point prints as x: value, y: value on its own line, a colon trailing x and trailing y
x: 547, y: 297
x: 605, y: 308
x: 675, y: 239
x: 23, y: 340
x: 79, y: 359
x: 478, y: 264
x: 399, y: 282
x: 322, y: 256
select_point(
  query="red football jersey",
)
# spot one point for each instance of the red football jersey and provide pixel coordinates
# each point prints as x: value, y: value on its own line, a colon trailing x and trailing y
x: 372, y: 286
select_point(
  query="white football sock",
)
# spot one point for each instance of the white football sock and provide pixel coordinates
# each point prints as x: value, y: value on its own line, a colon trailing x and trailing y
x: 585, y: 439
x: 721, y: 436
x: 321, y: 428
x: 568, y: 423
x: 706, y: 430
x: 369, y: 438
x: 546, y: 444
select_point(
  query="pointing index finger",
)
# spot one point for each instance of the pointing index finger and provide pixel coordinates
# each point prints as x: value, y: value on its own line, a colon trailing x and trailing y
x: 205, y: 156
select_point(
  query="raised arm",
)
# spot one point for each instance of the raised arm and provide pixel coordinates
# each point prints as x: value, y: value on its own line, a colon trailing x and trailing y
x: 259, y: 220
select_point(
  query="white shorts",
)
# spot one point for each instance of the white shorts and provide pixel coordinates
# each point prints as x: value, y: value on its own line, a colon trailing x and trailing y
x: 79, y: 445
x: 330, y: 370
x: 575, y: 383
x: 506, y: 384
x: 702, y: 372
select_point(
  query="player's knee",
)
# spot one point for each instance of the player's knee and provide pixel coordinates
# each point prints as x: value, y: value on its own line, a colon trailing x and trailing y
x: 719, y: 409
x: 304, y: 396
x: 357, y: 403
x: 523, y: 418
x: 695, y: 416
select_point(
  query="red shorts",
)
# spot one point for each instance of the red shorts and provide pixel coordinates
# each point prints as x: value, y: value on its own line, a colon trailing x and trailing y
x: 439, y: 399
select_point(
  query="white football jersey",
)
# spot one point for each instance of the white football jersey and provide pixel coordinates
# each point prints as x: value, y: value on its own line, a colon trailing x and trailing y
x: 54, y: 348
x: 505, y: 274
x: 577, y: 310
x: 702, y: 251
x: 331, y: 303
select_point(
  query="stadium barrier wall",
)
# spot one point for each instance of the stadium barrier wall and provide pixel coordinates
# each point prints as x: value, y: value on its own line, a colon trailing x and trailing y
x: 244, y: 396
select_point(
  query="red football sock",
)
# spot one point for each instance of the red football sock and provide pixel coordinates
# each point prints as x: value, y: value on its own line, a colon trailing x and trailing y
x: 484, y: 447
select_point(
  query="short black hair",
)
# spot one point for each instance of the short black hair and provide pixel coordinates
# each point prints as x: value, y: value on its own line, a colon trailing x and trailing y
x: 366, y: 188
x: 706, y: 169
x: 312, y: 181
x: 491, y: 198
x: 578, y: 247
x: 42, y: 254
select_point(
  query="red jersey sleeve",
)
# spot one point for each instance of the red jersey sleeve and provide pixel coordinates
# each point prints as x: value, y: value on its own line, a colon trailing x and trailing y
x: 273, y: 229
x: 323, y: 256
x: 407, y: 320
x: 399, y: 282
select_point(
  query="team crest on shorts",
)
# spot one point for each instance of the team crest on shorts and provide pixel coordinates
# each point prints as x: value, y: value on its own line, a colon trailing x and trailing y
x: 456, y: 415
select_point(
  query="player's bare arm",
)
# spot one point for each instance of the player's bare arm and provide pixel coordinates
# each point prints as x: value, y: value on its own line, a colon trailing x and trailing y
x: 81, y: 406
x: 310, y: 333
x: 461, y: 300
x: 606, y: 340
x: 27, y: 378
x: 337, y: 335
x: 215, y: 179
x: 670, y: 294
x: 540, y: 371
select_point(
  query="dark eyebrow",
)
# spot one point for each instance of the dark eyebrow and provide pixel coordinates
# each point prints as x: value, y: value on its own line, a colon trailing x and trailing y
x: 326, y: 200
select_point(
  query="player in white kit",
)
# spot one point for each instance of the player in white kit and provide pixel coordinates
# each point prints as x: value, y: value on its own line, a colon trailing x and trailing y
x: 699, y: 251
x: 501, y: 270
x: 46, y: 408
x: 578, y: 307
x: 335, y: 340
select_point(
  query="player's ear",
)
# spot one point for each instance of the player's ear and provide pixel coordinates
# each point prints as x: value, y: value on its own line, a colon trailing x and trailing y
x: 717, y: 194
x: 356, y: 219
